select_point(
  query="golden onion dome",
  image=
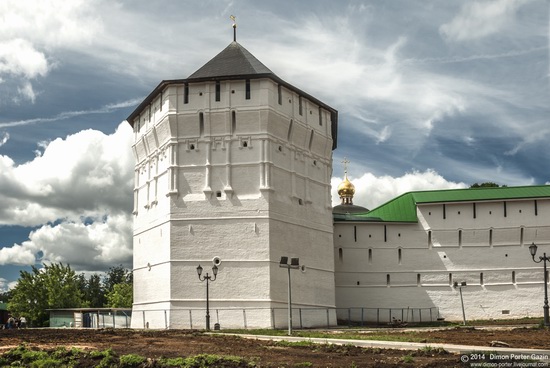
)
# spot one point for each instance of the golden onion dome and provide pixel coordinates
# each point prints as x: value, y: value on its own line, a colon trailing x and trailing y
x: 346, y: 188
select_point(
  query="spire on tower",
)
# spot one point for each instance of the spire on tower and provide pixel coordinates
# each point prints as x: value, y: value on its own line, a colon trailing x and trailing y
x: 232, y: 17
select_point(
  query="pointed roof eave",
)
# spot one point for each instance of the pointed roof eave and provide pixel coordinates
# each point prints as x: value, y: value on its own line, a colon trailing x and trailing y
x: 233, y: 61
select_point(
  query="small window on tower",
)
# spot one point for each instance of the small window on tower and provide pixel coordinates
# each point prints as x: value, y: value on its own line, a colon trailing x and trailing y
x: 192, y: 145
x: 247, y: 93
x: 218, y: 90
x: 186, y: 93
x: 279, y: 94
x: 399, y: 256
x: 244, y: 142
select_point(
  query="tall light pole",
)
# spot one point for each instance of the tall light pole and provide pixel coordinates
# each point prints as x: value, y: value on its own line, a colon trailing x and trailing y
x: 208, y: 278
x: 294, y: 264
x: 543, y: 258
x: 459, y: 286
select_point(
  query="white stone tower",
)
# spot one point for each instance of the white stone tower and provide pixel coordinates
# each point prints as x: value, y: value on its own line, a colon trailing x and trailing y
x: 235, y: 163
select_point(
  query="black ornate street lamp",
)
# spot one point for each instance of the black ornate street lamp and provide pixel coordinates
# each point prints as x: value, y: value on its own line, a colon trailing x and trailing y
x: 208, y: 278
x: 294, y: 264
x: 543, y: 258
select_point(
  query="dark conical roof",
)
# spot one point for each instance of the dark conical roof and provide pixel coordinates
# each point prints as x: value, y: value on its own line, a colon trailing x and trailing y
x: 233, y: 61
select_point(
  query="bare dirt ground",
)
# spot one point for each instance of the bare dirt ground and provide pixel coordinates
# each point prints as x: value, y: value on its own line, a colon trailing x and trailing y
x: 155, y: 344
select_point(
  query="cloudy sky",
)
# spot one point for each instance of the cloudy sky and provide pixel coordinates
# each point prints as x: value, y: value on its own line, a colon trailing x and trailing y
x: 431, y: 94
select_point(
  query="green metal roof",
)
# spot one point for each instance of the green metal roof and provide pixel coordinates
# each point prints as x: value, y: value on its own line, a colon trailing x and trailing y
x: 403, y: 208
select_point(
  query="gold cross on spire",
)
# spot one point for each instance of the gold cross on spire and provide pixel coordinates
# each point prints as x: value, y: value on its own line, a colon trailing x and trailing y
x: 345, y: 162
x: 232, y: 17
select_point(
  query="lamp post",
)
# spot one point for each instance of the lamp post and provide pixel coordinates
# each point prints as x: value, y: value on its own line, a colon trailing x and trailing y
x: 459, y: 286
x: 208, y: 278
x: 294, y: 264
x: 543, y: 258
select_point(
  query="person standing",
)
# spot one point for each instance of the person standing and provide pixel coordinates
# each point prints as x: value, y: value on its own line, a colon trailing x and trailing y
x: 11, y: 323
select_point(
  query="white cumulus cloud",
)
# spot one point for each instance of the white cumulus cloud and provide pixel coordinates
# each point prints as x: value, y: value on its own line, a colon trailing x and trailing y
x: 52, y: 23
x: 83, y: 244
x: 85, y: 174
x: 17, y: 255
x: 79, y: 194
x: 31, y: 30
x: 19, y: 57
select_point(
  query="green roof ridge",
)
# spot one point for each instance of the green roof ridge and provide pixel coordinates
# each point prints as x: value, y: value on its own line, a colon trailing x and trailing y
x: 403, y: 207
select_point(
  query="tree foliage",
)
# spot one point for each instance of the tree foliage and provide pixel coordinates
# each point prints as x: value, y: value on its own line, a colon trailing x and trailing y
x: 94, y: 292
x: 57, y: 286
x: 121, y: 296
x: 488, y: 184
x: 5, y: 296
x: 118, y: 285
x: 54, y: 286
x: 116, y: 275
